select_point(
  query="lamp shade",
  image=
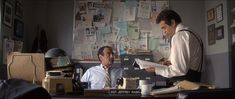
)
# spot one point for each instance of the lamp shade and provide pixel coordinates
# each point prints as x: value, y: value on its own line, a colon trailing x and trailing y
x: 55, y: 52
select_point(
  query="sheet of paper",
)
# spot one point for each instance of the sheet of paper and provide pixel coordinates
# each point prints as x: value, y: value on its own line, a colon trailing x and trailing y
x: 144, y: 24
x: 133, y: 30
x: 146, y: 64
x: 161, y: 4
x: 122, y: 26
x: 144, y: 9
x: 130, y: 10
x: 118, y: 9
x: 106, y: 29
x: 153, y: 42
x: 165, y: 90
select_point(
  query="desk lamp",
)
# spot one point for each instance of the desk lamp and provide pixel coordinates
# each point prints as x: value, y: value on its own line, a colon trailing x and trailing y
x: 56, y: 57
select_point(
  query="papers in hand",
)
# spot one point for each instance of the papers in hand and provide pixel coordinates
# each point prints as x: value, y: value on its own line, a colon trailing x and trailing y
x: 146, y: 64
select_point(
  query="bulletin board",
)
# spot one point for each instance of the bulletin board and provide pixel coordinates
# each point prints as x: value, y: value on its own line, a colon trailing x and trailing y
x: 121, y: 24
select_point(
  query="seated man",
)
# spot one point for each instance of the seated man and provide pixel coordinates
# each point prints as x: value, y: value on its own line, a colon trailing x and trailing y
x: 104, y: 75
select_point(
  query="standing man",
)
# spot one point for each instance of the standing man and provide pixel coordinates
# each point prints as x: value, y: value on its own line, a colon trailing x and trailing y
x: 104, y: 75
x: 186, y: 54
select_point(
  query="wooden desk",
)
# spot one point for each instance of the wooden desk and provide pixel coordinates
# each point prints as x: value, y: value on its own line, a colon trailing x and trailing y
x: 109, y: 97
x: 113, y: 97
x: 113, y: 94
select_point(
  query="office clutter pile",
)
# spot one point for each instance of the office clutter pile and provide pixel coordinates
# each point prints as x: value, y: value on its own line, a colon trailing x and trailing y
x: 59, y: 73
x: 182, y: 86
x: 56, y: 83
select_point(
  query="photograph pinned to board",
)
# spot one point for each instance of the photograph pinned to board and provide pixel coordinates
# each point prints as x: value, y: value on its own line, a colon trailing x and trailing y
x: 19, y: 9
x: 211, y: 34
x: 8, y: 11
x: 220, y: 32
x: 18, y: 28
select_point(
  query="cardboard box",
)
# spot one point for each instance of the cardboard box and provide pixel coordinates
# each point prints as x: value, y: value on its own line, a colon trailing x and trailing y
x: 27, y: 66
x: 60, y: 85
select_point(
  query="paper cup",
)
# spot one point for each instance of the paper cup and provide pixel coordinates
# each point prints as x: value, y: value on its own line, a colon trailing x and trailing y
x: 142, y: 82
x: 146, y: 89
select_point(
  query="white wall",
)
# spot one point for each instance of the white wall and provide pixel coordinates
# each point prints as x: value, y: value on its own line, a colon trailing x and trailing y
x: 217, y: 66
x: 192, y: 14
x: 35, y: 12
x: 221, y: 46
x: 60, y: 24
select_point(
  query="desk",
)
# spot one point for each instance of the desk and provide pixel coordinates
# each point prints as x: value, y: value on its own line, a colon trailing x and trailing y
x: 113, y: 97
x: 112, y: 94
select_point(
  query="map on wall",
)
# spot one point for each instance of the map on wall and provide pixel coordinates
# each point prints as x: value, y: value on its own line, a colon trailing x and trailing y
x: 121, y: 25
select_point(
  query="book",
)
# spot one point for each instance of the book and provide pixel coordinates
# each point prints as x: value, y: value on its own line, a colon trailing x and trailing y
x: 146, y: 64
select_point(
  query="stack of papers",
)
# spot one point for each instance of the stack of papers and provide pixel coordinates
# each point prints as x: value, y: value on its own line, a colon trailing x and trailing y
x: 180, y: 86
x: 169, y: 90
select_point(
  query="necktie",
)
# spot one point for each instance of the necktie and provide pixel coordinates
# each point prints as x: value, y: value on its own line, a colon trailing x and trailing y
x: 107, y: 79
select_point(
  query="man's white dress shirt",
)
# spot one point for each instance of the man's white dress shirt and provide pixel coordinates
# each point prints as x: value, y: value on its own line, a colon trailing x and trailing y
x: 95, y: 76
x: 185, y: 54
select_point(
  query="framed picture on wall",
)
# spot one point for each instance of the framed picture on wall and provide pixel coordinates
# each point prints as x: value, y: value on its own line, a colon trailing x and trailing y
x: 18, y: 28
x: 211, y: 34
x: 19, y: 9
x: 220, y: 32
x: 219, y: 12
x: 7, y: 17
x: 210, y: 14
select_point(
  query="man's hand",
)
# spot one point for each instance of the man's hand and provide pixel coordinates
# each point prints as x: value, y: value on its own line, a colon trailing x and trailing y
x: 164, y: 61
x: 150, y: 70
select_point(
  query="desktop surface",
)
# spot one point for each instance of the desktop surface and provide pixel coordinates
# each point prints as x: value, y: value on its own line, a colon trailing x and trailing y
x: 111, y: 94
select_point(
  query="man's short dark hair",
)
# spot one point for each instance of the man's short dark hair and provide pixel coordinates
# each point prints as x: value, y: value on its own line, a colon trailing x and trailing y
x: 100, y: 51
x: 167, y: 15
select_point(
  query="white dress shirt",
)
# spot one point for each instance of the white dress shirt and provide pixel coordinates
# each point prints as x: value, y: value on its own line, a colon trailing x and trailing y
x: 95, y: 76
x: 185, y: 54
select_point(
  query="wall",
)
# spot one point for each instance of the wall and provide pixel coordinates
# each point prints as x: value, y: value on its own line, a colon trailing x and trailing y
x: 230, y: 6
x: 35, y: 13
x: 6, y: 31
x: 192, y: 14
x: 1, y: 66
x: 55, y: 16
x: 60, y: 24
x: 216, y: 72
